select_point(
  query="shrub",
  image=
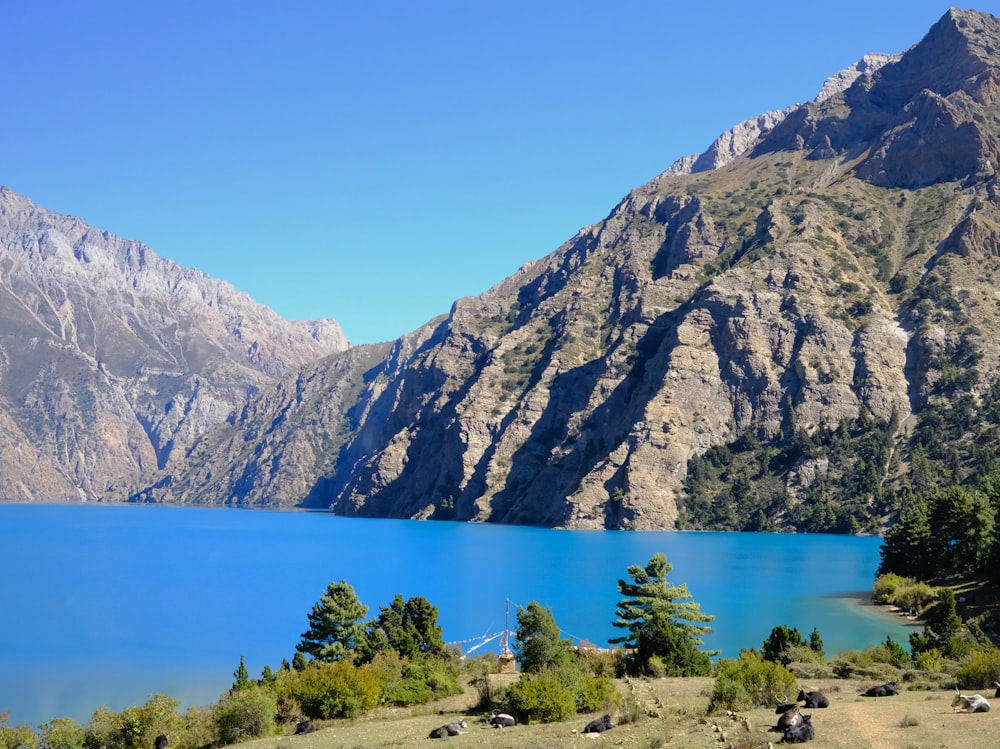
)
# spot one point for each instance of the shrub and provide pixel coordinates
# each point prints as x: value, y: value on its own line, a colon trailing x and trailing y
x: 135, y: 726
x: 15, y: 737
x: 481, y: 669
x: 800, y: 654
x: 596, y: 663
x: 334, y: 690
x: 629, y: 709
x: 886, y: 586
x: 916, y: 596
x: 197, y: 729
x: 245, y: 713
x: 61, y: 733
x: 422, y: 681
x: 750, y: 681
x: 930, y: 660
x: 594, y: 693
x: 541, y: 697
x: 980, y: 671
x: 810, y: 671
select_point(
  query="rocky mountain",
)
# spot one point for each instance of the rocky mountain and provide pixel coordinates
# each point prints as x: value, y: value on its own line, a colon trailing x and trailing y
x: 113, y: 360
x: 794, y: 334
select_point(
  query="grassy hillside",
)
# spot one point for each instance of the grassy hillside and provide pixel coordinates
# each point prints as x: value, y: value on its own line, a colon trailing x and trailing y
x: 676, y: 717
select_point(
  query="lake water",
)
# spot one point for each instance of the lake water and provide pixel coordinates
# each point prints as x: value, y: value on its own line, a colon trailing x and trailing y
x: 106, y: 605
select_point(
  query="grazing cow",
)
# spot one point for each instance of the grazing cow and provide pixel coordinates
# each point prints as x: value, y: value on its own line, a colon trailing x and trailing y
x: 448, y: 729
x: 304, y: 726
x: 161, y: 741
x: 813, y: 699
x: 974, y: 703
x: 599, y: 725
x: 997, y: 693
x: 882, y: 690
x: 801, y: 733
x: 501, y: 720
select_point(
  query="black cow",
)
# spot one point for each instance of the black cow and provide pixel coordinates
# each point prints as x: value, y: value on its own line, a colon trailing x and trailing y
x: 997, y: 693
x: 599, y: 725
x: 161, y: 741
x: 304, y: 726
x: 813, y: 699
x: 448, y: 729
x: 790, y: 715
x: 801, y: 733
x: 882, y: 690
x: 502, y: 720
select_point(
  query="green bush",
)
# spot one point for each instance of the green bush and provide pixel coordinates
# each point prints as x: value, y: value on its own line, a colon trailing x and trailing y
x: 595, y: 693
x: 335, y: 689
x: 19, y: 736
x: 134, y: 727
x: 980, y: 671
x: 885, y: 587
x: 244, y: 714
x: 197, y: 729
x: 913, y: 595
x: 750, y: 681
x: 895, y: 653
x: 61, y: 733
x: 930, y: 660
x: 542, y: 697
x: 422, y: 681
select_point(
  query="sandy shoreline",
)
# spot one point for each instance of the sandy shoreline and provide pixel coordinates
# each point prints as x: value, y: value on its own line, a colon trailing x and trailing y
x: 885, y: 612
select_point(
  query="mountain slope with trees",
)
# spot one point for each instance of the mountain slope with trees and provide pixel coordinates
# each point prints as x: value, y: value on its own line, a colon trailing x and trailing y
x: 798, y: 334
x: 798, y: 338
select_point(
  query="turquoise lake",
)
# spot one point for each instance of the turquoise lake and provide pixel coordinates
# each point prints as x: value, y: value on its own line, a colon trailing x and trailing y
x: 106, y: 605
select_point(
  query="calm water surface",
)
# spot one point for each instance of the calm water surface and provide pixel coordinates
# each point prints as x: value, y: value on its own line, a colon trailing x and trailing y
x: 106, y: 605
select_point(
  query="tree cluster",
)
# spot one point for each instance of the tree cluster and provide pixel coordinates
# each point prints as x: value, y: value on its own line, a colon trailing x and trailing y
x: 337, y: 629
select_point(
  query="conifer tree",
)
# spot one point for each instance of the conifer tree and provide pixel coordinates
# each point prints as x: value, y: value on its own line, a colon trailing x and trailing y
x: 336, y: 625
x: 664, y: 624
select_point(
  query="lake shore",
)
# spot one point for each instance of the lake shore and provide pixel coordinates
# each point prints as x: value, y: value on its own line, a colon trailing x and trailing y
x: 863, y: 604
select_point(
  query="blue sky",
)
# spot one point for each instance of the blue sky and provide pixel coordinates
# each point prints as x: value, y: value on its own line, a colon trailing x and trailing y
x: 371, y: 162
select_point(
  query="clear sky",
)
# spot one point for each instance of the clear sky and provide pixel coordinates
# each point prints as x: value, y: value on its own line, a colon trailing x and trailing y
x: 372, y: 161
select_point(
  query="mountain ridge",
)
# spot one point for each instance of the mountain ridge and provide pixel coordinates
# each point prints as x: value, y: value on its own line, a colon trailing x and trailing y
x: 113, y: 358
x: 761, y: 340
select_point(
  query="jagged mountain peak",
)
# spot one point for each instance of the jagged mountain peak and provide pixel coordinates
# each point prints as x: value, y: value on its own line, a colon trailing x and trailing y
x: 800, y: 319
x: 743, y: 136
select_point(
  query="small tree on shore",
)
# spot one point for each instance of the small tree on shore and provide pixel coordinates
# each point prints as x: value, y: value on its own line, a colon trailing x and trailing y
x: 665, y: 625
x: 336, y: 625
x: 539, y: 645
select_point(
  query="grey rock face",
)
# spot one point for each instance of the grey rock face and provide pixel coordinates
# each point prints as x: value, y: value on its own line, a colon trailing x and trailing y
x: 113, y: 360
x: 789, y: 284
x: 827, y: 267
x: 739, y: 139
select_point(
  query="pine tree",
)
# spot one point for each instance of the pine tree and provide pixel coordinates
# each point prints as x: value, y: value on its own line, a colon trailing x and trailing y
x: 664, y: 624
x: 336, y: 625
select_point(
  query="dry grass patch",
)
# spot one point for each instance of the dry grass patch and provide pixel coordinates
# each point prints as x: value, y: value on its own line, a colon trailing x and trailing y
x: 674, y: 715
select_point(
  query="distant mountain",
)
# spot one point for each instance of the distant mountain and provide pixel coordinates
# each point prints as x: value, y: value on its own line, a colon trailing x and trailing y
x: 793, y: 334
x: 113, y: 360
